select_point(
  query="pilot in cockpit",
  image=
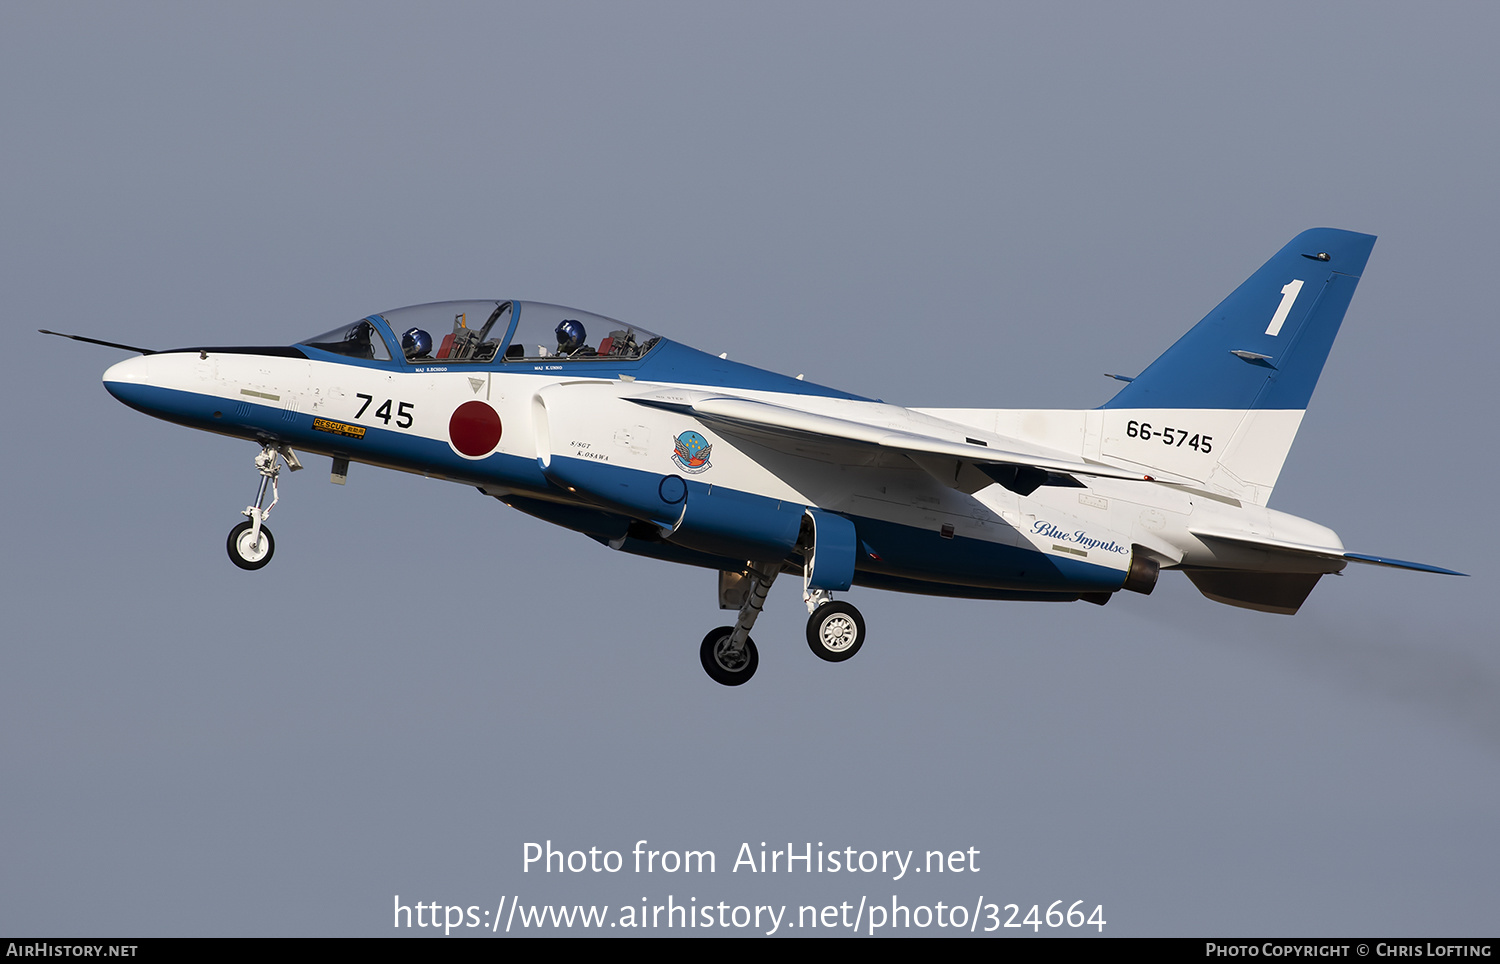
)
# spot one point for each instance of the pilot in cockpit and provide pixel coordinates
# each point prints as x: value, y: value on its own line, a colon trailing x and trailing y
x: 570, y: 338
x: 417, y: 344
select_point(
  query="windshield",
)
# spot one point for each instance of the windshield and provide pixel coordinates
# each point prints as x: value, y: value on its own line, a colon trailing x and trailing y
x: 359, y: 340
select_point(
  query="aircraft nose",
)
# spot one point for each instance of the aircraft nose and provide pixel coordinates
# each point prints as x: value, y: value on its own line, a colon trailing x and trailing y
x: 155, y: 384
x: 131, y: 371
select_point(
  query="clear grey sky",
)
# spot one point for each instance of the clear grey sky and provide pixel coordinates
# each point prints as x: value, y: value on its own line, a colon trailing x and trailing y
x: 951, y: 204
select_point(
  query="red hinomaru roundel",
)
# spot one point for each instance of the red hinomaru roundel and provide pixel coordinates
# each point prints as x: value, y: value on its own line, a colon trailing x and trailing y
x: 474, y: 429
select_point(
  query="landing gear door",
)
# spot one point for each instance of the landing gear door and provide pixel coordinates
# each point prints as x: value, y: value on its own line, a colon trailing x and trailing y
x: 830, y: 563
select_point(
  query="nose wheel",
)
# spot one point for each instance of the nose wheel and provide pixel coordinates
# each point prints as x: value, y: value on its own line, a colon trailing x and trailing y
x: 250, y: 550
x: 250, y: 543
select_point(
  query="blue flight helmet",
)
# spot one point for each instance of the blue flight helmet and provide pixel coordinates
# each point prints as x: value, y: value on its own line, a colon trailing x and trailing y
x: 570, y: 336
x: 416, y: 343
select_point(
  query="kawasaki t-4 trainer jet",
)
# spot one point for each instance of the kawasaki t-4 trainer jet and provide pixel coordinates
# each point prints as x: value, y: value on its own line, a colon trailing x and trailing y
x: 653, y: 448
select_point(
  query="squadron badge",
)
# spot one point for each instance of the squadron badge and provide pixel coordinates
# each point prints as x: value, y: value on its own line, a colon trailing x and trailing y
x: 692, y: 452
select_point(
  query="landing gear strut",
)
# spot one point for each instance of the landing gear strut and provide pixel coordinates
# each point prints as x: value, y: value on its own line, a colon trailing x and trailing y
x: 728, y: 653
x: 250, y: 544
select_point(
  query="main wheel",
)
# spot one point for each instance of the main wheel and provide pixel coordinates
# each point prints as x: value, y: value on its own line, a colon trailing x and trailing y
x: 723, y: 664
x: 246, y: 552
x: 835, y: 631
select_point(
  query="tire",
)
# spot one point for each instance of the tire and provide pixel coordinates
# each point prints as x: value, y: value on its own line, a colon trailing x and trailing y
x: 835, y: 631
x: 728, y: 672
x: 246, y: 555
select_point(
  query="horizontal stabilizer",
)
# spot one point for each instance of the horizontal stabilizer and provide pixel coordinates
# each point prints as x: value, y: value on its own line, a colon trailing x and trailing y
x: 1400, y: 564
x: 1321, y: 552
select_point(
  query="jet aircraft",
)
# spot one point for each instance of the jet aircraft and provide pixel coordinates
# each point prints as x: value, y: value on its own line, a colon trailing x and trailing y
x: 650, y: 447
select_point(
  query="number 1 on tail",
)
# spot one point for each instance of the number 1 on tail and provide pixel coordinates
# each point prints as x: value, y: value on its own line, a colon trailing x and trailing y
x: 1289, y: 294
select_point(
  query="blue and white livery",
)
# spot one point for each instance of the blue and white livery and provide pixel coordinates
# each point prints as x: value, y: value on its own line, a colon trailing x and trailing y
x: 651, y: 447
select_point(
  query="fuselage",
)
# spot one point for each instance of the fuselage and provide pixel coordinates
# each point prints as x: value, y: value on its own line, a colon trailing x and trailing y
x: 567, y: 439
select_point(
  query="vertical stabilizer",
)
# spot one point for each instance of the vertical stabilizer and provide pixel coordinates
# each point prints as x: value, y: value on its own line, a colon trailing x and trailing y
x: 1223, y: 405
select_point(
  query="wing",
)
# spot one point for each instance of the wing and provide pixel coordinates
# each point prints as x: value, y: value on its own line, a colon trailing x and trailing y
x: 779, y: 426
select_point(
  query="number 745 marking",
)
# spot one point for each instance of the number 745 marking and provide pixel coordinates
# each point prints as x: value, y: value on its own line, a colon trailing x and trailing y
x: 403, y: 410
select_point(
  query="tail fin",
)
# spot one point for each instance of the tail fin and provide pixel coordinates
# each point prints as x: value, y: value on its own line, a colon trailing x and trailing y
x: 1223, y: 405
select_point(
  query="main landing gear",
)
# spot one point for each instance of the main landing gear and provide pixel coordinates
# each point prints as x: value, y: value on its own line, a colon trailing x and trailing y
x: 250, y: 543
x: 835, y: 630
x: 728, y: 653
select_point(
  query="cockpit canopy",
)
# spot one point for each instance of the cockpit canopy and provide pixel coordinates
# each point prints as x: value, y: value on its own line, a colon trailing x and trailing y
x: 462, y: 332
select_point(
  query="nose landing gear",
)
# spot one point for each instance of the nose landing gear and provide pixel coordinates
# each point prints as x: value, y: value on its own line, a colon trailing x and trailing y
x: 248, y: 549
x: 250, y: 543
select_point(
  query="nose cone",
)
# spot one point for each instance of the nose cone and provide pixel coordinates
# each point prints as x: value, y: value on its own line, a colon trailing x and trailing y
x: 137, y: 382
x: 121, y: 376
x: 161, y: 384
